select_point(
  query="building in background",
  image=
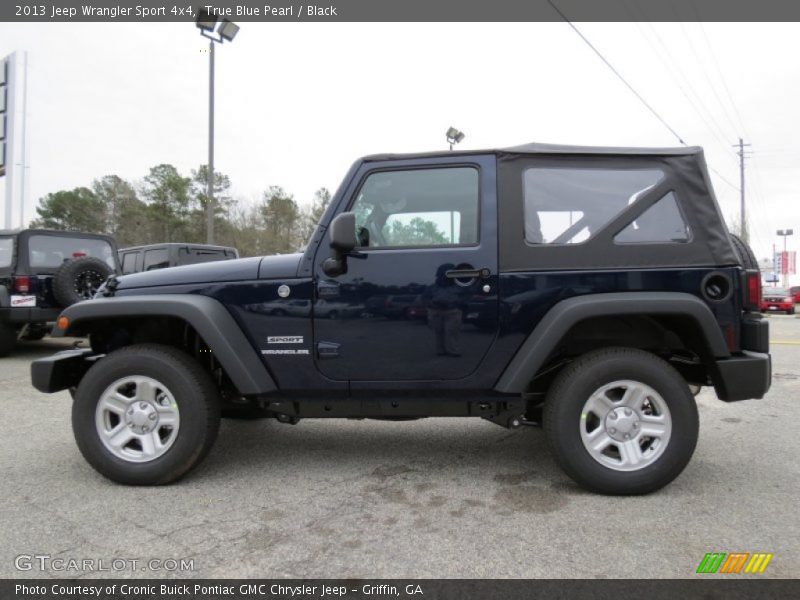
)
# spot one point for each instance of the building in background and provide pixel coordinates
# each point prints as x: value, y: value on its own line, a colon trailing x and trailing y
x: 13, y: 148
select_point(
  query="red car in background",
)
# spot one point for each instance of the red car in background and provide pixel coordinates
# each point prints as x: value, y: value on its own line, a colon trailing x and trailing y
x: 795, y: 293
x: 777, y: 299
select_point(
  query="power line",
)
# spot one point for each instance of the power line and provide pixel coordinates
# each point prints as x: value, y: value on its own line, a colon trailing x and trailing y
x: 707, y: 77
x: 643, y: 101
x: 722, y: 78
x: 617, y: 73
x: 679, y: 77
x: 718, y: 174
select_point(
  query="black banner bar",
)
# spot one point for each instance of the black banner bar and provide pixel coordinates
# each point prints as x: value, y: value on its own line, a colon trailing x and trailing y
x: 403, y: 10
x: 705, y: 587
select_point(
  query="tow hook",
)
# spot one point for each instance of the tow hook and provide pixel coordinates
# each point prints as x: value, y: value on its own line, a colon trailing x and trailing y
x: 288, y: 419
x: 521, y: 421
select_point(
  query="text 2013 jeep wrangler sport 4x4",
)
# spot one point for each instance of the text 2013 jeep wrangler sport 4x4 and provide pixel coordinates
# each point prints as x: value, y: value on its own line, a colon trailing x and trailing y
x: 586, y: 289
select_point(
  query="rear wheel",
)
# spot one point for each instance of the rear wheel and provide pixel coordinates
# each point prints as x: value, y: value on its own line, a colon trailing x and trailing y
x: 621, y: 421
x: 146, y: 414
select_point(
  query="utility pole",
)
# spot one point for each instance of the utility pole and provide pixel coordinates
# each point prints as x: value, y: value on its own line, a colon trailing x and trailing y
x: 743, y: 215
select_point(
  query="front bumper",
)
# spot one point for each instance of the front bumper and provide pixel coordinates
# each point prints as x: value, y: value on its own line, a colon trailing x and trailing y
x: 62, y: 370
x: 28, y: 315
x: 744, y: 376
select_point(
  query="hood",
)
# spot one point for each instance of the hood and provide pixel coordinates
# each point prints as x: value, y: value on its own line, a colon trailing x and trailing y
x: 223, y: 270
x: 280, y: 266
x: 244, y: 269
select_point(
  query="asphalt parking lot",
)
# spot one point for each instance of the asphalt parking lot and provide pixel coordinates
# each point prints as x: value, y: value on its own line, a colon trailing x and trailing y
x: 452, y: 498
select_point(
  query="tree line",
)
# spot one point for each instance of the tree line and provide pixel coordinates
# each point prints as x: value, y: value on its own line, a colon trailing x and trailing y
x: 167, y: 206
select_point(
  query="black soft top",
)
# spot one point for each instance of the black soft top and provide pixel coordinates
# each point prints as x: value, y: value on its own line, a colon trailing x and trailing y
x: 20, y: 259
x: 685, y: 173
x: 537, y: 148
x: 177, y: 245
x: 58, y: 233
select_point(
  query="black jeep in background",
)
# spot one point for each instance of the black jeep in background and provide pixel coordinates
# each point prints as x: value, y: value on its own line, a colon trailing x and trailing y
x: 42, y: 272
x: 161, y: 256
x: 604, y: 283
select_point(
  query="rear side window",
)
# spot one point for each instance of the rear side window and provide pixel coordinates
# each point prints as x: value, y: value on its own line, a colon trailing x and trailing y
x: 570, y: 205
x: 50, y: 251
x: 156, y: 259
x: 129, y: 262
x: 6, y: 251
x: 661, y: 223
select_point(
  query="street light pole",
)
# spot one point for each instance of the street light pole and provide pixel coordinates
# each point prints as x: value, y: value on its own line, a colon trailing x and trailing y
x: 210, y: 183
x: 784, y: 233
x: 207, y: 24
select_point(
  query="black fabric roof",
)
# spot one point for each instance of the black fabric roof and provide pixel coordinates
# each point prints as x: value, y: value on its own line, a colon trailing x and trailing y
x: 536, y: 148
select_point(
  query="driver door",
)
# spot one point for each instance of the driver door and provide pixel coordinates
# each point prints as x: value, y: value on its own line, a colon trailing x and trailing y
x: 425, y: 265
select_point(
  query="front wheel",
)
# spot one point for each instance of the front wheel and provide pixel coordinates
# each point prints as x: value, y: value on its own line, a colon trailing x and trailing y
x: 621, y: 421
x: 145, y: 414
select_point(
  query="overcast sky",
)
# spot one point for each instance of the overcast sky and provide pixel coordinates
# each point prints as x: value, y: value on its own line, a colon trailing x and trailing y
x: 298, y: 102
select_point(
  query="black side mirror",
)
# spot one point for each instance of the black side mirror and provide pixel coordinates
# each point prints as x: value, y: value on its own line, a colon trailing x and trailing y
x: 343, y: 232
x: 343, y: 240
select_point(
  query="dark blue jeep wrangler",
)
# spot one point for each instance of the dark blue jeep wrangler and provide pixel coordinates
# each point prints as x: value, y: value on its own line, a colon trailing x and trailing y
x: 590, y: 290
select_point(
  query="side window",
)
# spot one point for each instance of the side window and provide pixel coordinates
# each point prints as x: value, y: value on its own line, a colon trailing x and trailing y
x: 420, y: 207
x: 570, y: 205
x: 662, y: 222
x: 156, y: 259
x: 129, y: 262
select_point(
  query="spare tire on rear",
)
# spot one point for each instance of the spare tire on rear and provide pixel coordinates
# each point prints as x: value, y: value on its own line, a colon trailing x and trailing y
x: 79, y: 279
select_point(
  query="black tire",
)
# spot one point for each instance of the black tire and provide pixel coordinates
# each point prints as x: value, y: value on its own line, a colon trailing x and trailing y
x: 195, y: 394
x: 78, y: 280
x: 8, y: 339
x: 746, y: 256
x: 563, y: 419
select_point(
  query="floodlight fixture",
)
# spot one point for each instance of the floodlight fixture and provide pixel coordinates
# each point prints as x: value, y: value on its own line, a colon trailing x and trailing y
x: 228, y: 30
x: 454, y: 136
x: 205, y: 20
x: 207, y: 24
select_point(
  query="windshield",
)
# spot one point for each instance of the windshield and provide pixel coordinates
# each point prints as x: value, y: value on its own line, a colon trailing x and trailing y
x: 6, y: 250
x: 772, y: 291
x: 50, y: 251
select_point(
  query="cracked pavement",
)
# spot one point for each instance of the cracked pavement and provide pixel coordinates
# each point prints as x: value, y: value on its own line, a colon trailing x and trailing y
x: 433, y: 498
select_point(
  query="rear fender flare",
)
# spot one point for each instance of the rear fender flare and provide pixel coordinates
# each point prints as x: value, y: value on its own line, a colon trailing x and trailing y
x: 539, y: 345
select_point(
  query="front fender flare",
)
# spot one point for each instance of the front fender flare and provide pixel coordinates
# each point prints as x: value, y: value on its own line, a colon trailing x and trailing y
x: 560, y: 319
x: 207, y: 316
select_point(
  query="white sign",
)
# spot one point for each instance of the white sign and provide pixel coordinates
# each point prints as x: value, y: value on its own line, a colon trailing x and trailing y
x: 19, y: 301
